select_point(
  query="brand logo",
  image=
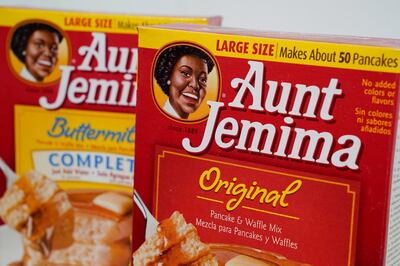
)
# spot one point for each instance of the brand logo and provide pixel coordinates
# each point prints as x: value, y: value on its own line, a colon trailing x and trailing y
x: 294, y: 143
x: 100, y: 58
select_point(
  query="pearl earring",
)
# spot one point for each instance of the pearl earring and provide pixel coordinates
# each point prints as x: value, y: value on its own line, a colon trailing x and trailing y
x: 23, y: 53
x: 168, y: 82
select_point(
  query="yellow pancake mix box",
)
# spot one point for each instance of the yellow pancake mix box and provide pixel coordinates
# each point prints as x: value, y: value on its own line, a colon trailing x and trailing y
x: 67, y: 109
x: 266, y: 149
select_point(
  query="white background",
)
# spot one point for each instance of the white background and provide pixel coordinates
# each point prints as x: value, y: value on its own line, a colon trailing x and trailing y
x: 368, y: 18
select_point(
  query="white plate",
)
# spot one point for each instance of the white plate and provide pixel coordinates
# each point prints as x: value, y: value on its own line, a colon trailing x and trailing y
x: 10, y: 246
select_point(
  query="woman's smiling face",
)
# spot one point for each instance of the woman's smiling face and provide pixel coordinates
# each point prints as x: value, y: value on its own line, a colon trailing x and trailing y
x: 188, y: 84
x: 41, y: 54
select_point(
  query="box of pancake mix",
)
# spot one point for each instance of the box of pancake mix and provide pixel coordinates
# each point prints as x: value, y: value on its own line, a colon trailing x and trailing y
x: 68, y: 104
x: 266, y: 148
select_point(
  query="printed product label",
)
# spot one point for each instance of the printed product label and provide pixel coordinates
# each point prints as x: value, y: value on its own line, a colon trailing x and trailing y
x: 274, y: 129
x: 288, y: 212
x: 67, y: 146
x: 68, y: 110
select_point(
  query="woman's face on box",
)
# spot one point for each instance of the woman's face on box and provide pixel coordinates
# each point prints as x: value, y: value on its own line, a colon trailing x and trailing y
x: 41, y: 53
x: 188, y: 84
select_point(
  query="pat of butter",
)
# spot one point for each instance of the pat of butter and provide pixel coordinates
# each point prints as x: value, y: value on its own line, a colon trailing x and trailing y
x: 114, y: 202
x: 242, y: 260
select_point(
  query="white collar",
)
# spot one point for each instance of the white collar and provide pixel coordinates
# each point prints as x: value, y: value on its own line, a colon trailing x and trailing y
x: 27, y: 75
x: 170, y: 110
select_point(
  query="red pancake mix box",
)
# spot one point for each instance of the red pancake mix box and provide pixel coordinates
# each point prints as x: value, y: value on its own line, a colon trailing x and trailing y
x: 266, y: 149
x: 68, y: 104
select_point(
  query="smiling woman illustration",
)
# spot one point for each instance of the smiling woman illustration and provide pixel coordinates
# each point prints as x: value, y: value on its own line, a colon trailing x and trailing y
x: 36, y: 46
x: 182, y: 73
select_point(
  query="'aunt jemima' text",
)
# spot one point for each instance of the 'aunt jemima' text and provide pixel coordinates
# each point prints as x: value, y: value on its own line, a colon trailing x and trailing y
x: 107, y: 59
x: 230, y: 133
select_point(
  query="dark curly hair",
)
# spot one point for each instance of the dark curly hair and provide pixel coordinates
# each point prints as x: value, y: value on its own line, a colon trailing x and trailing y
x: 21, y: 36
x: 168, y: 58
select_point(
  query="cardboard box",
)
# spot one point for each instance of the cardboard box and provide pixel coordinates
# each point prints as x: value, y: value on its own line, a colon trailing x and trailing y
x: 276, y: 147
x: 68, y: 104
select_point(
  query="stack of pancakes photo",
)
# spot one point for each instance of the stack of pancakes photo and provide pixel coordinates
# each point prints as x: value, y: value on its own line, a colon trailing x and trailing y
x: 174, y: 243
x: 73, y: 228
x: 33, y: 205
